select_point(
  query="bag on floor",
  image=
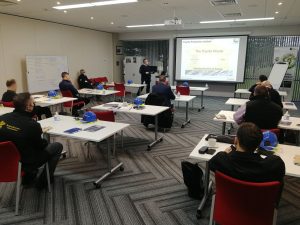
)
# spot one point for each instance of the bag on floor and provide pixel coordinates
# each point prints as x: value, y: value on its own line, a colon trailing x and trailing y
x: 193, y: 178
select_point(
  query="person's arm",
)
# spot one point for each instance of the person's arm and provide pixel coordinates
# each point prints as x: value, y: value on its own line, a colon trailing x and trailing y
x: 35, y: 131
x: 215, y: 162
x: 142, y: 69
x: 171, y: 94
x: 73, y: 90
x: 239, y: 115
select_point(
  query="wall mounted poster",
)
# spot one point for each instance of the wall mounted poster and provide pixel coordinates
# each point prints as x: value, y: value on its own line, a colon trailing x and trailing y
x: 287, y: 55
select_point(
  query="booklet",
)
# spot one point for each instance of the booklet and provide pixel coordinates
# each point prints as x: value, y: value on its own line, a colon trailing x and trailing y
x: 94, y: 128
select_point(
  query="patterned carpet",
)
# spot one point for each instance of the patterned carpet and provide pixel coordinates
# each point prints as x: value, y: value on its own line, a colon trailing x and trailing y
x: 149, y: 191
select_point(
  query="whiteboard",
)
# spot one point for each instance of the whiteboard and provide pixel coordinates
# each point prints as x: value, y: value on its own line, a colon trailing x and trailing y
x: 44, y: 72
x: 277, y: 74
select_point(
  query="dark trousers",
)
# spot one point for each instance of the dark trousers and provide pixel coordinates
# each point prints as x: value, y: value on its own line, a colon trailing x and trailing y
x: 77, y: 107
x: 52, y: 155
x: 147, y: 80
x: 39, y: 111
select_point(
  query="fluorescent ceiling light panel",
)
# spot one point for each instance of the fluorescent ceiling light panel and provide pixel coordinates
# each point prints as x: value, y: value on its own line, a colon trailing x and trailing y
x: 238, y: 20
x: 146, y: 25
x: 92, y: 4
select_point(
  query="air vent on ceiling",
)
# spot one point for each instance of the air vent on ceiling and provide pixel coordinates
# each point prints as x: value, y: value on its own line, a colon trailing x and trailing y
x: 232, y: 14
x: 223, y: 2
x: 6, y: 3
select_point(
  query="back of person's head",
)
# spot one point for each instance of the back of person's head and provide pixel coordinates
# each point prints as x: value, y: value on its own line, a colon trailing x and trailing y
x: 262, y: 78
x: 163, y: 73
x: 10, y: 82
x: 64, y: 74
x: 82, y: 71
x: 261, y: 91
x: 21, y: 100
x: 249, y: 136
x: 162, y: 78
x: 267, y: 84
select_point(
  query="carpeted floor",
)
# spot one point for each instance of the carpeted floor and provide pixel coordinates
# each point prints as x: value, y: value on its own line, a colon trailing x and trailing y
x: 149, y: 191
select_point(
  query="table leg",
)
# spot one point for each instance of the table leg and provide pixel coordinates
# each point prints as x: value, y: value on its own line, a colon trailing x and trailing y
x: 201, y: 106
x: 223, y: 128
x: 187, y: 120
x: 110, y: 170
x: 156, y: 140
x: 232, y: 107
x: 298, y: 138
x: 207, y: 189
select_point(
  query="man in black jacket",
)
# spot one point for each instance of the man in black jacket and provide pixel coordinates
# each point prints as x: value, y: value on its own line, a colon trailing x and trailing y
x: 273, y: 94
x: 66, y: 85
x: 83, y: 80
x: 260, y: 110
x: 261, y: 79
x: 163, y: 89
x: 9, y: 95
x: 243, y: 163
x: 145, y: 71
x: 25, y: 133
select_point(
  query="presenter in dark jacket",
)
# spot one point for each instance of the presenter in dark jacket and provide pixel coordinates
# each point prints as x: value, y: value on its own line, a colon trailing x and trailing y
x: 66, y: 85
x: 25, y: 133
x: 261, y: 79
x: 145, y: 71
x: 83, y: 81
x: 260, y: 110
x: 9, y: 95
x: 243, y: 163
x: 163, y: 89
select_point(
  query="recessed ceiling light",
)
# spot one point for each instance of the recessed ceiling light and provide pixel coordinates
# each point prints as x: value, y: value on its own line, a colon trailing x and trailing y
x: 57, y: 3
x: 146, y: 25
x: 65, y: 11
x: 238, y: 20
x: 112, y: 23
x: 92, y: 17
x: 276, y: 12
x: 92, y: 4
x: 18, y: 0
x: 280, y: 3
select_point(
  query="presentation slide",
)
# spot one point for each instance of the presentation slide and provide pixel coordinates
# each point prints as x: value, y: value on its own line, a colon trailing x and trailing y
x: 220, y: 59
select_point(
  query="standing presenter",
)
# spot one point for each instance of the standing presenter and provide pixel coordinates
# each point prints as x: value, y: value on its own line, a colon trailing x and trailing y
x: 145, y: 71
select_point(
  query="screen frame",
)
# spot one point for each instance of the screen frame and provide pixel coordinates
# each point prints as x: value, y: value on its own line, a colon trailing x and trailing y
x: 209, y: 36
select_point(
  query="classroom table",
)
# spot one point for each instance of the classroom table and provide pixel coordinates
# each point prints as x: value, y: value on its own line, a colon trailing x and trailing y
x: 45, y: 101
x: 241, y: 101
x: 181, y: 98
x: 4, y: 110
x: 149, y: 110
x: 196, y: 89
x: 86, y: 91
x: 246, y: 91
x: 286, y: 152
x: 58, y: 128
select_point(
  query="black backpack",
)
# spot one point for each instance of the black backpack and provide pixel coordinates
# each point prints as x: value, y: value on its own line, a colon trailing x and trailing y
x: 193, y: 178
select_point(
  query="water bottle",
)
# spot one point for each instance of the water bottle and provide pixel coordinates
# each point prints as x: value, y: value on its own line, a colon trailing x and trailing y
x: 178, y: 94
x: 286, y: 116
x: 56, y: 116
x: 206, y: 85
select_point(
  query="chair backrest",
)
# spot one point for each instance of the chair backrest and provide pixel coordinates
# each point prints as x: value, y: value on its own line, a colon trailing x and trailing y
x: 184, y: 90
x: 9, y: 160
x: 105, y: 115
x: 67, y: 93
x: 274, y: 130
x: 240, y: 202
x: 121, y: 88
x: 100, y: 79
x: 8, y: 104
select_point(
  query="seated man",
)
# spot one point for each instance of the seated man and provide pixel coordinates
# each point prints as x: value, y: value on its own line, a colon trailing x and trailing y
x: 273, y: 94
x: 261, y: 79
x: 11, y: 93
x: 83, y: 81
x: 66, y: 85
x: 260, y: 110
x: 163, y: 89
x: 19, y: 127
x: 243, y: 163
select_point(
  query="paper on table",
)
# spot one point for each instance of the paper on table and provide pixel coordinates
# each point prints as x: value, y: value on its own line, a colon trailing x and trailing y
x: 297, y: 160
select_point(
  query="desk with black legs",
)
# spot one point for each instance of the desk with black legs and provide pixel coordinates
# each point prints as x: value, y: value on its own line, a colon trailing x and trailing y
x: 149, y: 110
x: 108, y: 130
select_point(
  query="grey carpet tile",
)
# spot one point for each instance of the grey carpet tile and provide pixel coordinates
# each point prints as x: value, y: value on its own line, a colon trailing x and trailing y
x: 150, y: 191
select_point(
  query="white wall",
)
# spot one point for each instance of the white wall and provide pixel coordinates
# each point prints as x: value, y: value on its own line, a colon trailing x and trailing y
x: 87, y: 49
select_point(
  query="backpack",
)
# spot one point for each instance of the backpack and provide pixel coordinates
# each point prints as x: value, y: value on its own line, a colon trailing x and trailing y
x: 165, y: 119
x: 193, y: 178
